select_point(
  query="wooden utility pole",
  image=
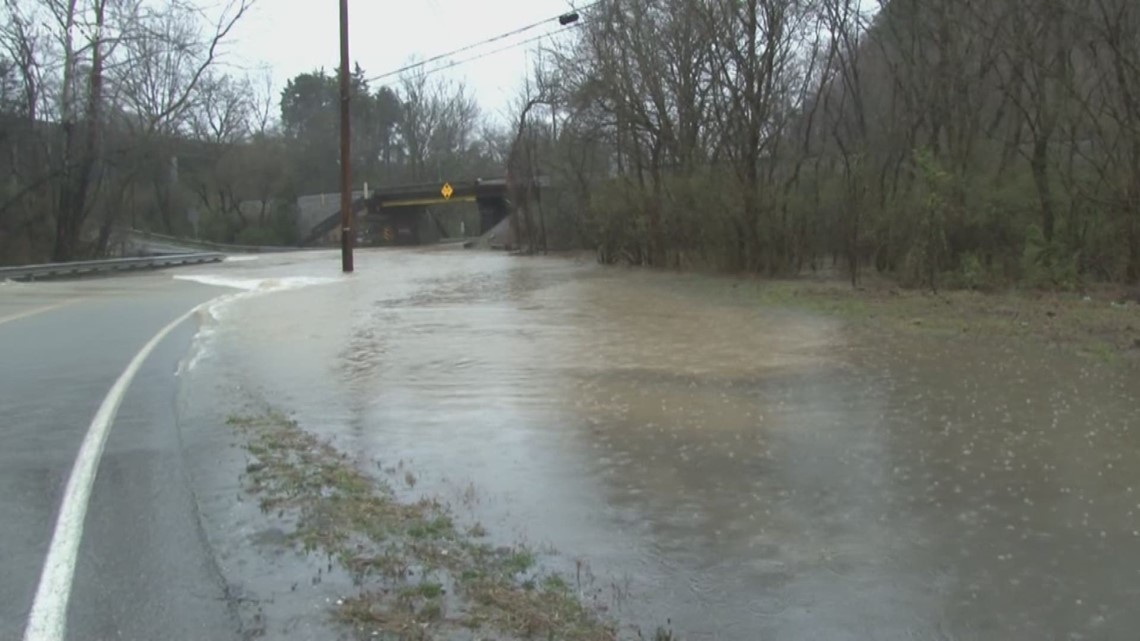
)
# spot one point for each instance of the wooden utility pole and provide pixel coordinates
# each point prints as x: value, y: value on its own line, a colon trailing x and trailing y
x: 347, y: 226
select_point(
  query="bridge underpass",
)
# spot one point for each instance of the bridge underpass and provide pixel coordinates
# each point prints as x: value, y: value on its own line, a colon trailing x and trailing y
x: 404, y: 215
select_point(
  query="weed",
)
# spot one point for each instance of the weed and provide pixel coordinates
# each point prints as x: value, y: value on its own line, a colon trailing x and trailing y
x: 539, y: 613
x: 422, y: 590
x: 438, y: 528
x: 518, y: 562
x: 340, y: 512
x: 555, y: 583
x: 370, y: 614
x: 431, y: 611
x: 1101, y: 351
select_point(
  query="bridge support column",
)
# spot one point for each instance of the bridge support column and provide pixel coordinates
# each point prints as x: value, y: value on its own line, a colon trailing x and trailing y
x: 492, y: 211
x: 406, y: 221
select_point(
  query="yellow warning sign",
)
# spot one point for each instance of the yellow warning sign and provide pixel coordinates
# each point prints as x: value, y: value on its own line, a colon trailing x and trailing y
x: 447, y: 191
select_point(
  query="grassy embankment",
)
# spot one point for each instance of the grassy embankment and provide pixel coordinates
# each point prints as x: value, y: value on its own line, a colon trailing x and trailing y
x: 1102, y: 324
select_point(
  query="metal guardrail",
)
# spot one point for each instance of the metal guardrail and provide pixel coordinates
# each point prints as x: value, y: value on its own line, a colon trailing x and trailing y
x: 87, y: 267
x: 204, y: 244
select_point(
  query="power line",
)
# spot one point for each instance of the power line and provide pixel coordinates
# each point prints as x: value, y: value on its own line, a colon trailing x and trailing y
x: 456, y: 63
x: 513, y: 32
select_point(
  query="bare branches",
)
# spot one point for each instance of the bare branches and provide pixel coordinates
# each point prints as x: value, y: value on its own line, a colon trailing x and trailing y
x: 167, y: 58
x: 223, y: 112
x: 839, y: 119
x: 88, y: 66
x: 438, y: 123
x: 23, y: 45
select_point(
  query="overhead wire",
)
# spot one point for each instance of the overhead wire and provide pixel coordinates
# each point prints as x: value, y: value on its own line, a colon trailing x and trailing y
x: 485, y: 54
x: 475, y: 45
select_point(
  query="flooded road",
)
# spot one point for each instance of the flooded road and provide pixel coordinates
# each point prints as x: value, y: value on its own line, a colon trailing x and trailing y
x: 692, y: 459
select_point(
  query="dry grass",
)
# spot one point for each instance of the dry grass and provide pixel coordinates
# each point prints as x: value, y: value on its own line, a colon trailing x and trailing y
x: 546, y: 612
x: 398, y: 618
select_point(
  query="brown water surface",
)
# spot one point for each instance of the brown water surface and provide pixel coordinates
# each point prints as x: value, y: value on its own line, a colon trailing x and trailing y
x: 741, y: 472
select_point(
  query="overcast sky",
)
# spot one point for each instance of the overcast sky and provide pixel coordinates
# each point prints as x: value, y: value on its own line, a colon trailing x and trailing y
x: 297, y: 36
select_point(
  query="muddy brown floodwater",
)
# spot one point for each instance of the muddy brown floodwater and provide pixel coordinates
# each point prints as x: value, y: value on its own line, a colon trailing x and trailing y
x: 737, y: 471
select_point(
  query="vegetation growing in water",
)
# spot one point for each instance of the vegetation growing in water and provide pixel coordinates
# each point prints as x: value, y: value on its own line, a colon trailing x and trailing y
x: 419, y: 574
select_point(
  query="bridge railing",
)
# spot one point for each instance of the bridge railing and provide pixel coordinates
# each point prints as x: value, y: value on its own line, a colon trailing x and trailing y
x: 88, y: 267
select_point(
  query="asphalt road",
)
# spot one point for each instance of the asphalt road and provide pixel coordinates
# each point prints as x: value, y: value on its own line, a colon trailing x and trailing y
x: 144, y: 570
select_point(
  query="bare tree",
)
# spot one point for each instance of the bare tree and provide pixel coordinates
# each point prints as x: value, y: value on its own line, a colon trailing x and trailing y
x: 23, y: 42
x: 522, y: 164
x: 438, y: 123
x: 166, y: 89
x: 168, y: 57
x: 85, y: 64
x: 262, y: 103
x: 223, y: 110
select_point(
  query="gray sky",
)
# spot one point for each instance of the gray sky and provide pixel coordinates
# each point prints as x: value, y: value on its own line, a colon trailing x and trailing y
x: 296, y: 36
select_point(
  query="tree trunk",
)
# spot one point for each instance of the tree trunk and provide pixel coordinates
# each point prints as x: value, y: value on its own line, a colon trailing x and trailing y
x: 1041, y: 180
x: 65, y: 237
x: 78, y: 167
x: 104, y: 240
x: 853, y: 240
x: 1133, y: 272
x: 1131, y: 212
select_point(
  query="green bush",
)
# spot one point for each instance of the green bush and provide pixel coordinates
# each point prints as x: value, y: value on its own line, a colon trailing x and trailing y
x: 973, y: 273
x: 1049, y: 264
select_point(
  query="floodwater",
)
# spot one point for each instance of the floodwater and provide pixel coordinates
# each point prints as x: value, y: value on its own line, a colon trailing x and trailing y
x: 699, y: 462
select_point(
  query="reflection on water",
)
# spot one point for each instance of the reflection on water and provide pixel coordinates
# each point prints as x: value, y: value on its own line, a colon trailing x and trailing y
x: 745, y: 473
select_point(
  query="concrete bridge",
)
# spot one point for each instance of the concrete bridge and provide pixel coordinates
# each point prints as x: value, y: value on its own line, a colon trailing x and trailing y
x: 398, y: 215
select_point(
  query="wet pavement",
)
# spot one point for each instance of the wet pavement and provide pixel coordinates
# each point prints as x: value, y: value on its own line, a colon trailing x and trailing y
x: 734, y: 471
x: 144, y: 570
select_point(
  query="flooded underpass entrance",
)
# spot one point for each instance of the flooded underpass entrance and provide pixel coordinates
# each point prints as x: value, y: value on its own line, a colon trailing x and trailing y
x: 699, y: 461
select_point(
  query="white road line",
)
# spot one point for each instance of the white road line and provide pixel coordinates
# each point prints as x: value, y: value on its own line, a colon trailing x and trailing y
x: 48, y: 619
x: 38, y: 310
